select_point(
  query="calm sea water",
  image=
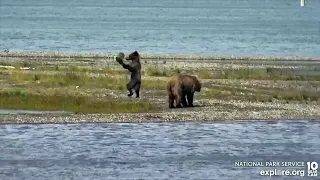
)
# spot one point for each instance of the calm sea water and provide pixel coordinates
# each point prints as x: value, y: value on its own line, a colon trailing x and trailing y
x: 211, y: 27
x: 155, y: 151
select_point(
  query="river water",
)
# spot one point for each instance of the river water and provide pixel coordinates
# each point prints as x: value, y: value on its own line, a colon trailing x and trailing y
x: 207, y: 27
x: 195, y: 150
x: 165, y: 150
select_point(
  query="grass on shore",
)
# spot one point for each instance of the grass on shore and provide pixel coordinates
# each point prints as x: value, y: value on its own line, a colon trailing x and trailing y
x: 257, y: 74
x: 78, y: 79
x: 19, y: 99
x: 223, y: 92
x: 267, y: 73
x: 114, y: 78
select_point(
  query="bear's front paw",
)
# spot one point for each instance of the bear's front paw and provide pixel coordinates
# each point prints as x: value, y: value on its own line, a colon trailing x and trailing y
x: 119, y: 60
x: 119, y: 57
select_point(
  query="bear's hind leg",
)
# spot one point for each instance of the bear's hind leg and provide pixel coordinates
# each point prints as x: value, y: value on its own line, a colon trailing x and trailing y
x: 184, y: 101
x: 190, y: 99
x: 129, y: 88
x: 171, y: 101
x: 137, y: 89
x: 181, y: 99
x: 178, y: 101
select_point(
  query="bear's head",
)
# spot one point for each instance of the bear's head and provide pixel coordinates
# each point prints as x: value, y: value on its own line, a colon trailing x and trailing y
x: 197, y: 84
x: 134, y: 56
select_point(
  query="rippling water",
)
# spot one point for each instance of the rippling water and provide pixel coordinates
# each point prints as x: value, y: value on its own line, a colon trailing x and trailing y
x: 153, y: 151
x: 213, y: 27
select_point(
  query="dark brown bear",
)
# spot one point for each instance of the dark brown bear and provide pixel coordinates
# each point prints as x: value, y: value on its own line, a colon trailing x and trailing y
x: 180, y: 86
x: 135, y: 68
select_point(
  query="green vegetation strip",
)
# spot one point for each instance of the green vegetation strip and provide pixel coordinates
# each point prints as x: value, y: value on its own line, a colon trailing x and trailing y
x: 258, y: 74
x: 19, y: 99
x: 74, y: 78
x: 258, y: 95
x: 244, y: 73
x: 267, y: 73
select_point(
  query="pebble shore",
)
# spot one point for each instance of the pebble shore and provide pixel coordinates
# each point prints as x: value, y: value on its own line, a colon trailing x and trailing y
x: 214, y: 111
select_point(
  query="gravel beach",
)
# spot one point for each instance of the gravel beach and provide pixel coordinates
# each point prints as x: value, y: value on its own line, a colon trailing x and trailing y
x: 232, y: 106
x: 231, y: 111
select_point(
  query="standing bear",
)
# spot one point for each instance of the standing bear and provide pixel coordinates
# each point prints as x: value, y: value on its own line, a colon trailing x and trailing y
x: 180, y: 86
x: 135, y: 68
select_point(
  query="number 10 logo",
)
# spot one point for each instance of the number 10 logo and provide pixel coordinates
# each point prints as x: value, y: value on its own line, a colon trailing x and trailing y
x: 312, y: 168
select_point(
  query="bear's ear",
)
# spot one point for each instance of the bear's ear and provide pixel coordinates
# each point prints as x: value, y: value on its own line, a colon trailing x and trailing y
x: 135, y: 53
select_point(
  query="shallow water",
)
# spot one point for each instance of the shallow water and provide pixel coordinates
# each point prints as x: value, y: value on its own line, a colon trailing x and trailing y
x: 219, y: 27
x: 154, y: 151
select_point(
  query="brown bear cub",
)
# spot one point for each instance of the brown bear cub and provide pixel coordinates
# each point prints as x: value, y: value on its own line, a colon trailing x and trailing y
x: 180, y: 86
x: 135, y: 68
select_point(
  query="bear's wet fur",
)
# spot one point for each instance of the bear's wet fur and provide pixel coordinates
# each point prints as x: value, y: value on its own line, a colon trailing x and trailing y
x: 135, y: 68
x: 180, y: 86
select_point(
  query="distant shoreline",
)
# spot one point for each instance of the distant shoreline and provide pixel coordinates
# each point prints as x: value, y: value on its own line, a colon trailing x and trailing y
x: 152, y: 56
